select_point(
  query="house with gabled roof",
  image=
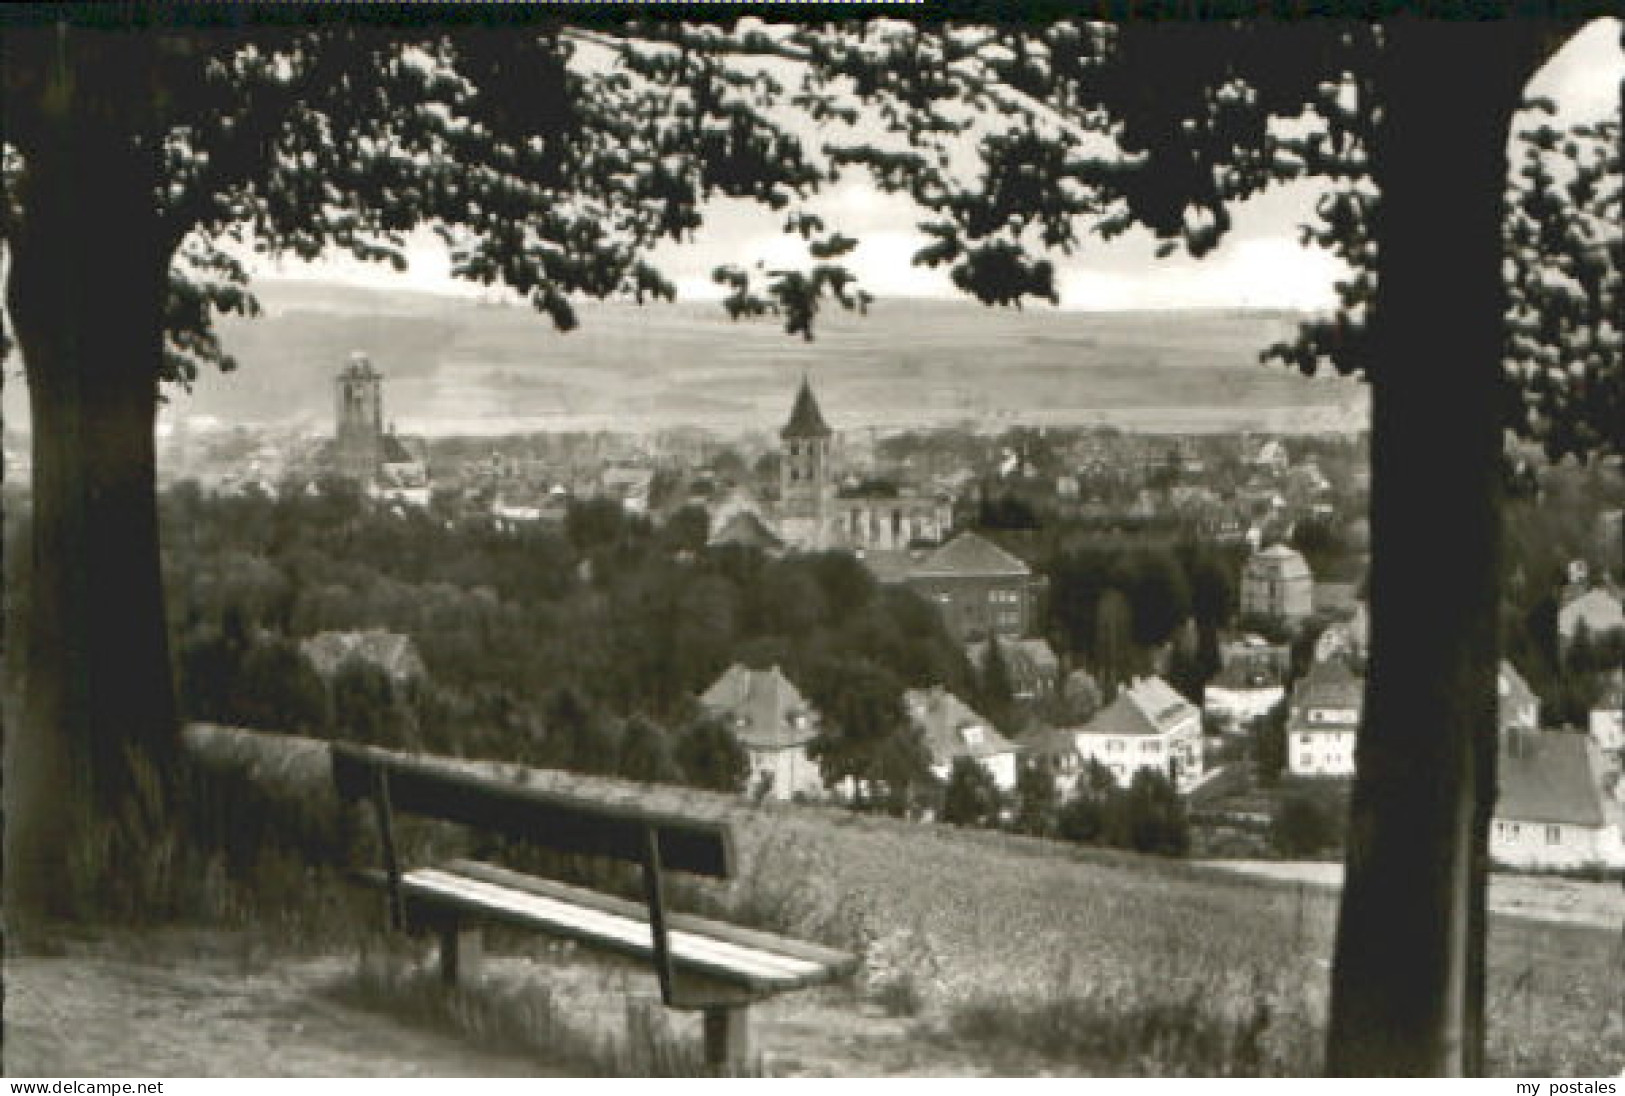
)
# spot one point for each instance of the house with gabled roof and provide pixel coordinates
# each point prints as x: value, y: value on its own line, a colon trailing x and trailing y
x: 745, y: 529
x: 1148, y: 726
x: 1030, y: 664
x: 1598, y: 611
x: 979, y: 588
x: 1552, y: 810
x: 775, y: 724
x: 392, y: 652
x: 1346, y: 639
x: 1517, y: 706
x: 1324, y: 720
x: 1251, y: 681
x: 951, y: 729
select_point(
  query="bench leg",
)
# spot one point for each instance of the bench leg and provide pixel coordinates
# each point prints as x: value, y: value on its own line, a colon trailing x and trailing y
x: 727, y: 1039
x: 461, y: 952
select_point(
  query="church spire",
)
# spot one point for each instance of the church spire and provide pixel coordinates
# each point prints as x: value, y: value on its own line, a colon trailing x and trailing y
x: 806, y: 421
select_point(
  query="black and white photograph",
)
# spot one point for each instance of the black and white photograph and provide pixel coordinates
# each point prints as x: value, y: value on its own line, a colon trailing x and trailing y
x: 896, y: 540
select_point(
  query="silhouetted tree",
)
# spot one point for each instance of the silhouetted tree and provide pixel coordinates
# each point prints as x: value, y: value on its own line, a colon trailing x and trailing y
x: 971, y: 798
x: 711, y: 757
x: 646, y: 754
x: 1038, y: 800
x: 131, y: 155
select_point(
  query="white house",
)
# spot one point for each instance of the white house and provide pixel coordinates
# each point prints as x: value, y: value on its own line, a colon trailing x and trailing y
x: 1248, y: 685
x: 1272, y: 457
x: 951, y: 730
x: 1148, y: 726
x: 1346, y: 639
x: 1324, y: 721
x: 1552, y: 811
x: 1598, y: 610
x: 1607, y: 720
x: 1517, y: 707
x: 775, y: 725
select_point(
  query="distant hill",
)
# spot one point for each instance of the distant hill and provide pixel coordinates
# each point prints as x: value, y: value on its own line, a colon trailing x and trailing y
x: 457, y: 365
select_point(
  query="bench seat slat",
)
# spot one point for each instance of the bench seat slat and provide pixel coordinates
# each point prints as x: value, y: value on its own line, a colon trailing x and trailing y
x: 755, y: 969
x: 627, y: 935
x: 839, y: 963
x: 601, y: 928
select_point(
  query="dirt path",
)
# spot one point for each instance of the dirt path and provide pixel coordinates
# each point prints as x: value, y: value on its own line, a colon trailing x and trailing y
x: 196, y: 1003
x: 207, y: 1005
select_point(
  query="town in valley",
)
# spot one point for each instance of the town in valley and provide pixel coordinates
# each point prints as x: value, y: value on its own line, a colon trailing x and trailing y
x: 1071, y: 622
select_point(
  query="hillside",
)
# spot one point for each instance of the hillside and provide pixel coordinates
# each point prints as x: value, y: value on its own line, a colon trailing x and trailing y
x: 458, y: 365
x: 1079, y: 953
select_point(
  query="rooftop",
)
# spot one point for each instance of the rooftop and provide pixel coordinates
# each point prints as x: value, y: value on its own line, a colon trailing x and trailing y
x: 764, y: 706
x: 392, y: 652
x: 970, y: 554
x: 1278, y: 561
x: 806, y: 421
x: 951, y: 728
x: 1549, y: 777
x: 1329, y: 684
x: 745, y: 530
x: 1599, y: 609
x: 1149, y: 706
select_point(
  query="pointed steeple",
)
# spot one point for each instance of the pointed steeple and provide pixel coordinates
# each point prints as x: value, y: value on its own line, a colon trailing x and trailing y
x: 806, y: 421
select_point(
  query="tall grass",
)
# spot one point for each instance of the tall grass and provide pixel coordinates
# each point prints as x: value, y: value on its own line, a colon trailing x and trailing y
x: 1209, y: 1026
x: 205, y: 848
x: 524, y: 1017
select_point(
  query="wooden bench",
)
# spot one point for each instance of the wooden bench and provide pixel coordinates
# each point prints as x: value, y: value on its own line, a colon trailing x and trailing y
x: 702, y: 965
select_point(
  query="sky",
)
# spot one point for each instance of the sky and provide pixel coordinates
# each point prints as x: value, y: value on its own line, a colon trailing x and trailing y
x: 1260, y: 264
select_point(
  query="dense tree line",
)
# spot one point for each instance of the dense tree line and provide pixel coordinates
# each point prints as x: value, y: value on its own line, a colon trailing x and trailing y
x: 571, y: 647
x: 1147, y: 816
x: 1114, y: 607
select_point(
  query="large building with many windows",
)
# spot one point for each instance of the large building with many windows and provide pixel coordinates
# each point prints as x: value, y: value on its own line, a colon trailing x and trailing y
x: 980, y: 589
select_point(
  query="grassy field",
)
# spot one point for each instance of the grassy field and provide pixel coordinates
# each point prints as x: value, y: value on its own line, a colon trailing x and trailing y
x: 456, y: 366
x: 1043, y: 955
x: 984, y: 954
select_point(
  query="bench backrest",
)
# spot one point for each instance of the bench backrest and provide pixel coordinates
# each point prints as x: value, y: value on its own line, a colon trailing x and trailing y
x: 556, y: 820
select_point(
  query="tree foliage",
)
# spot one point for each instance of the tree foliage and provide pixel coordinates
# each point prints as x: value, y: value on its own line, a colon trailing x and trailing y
x: 1037, y: 801
x: 971, y: 798
x: 711, y: 757
x: 551, y: 159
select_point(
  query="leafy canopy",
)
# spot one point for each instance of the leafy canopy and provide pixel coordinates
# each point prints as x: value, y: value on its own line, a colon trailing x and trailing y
x: 552, y: 157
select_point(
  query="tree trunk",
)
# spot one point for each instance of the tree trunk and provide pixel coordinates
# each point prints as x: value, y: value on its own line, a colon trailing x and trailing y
x: 85, y: 295
x: 1408, y: 976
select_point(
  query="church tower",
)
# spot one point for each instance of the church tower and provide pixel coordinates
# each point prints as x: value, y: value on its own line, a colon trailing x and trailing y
x: 805, y: 488
x: 358, y: 445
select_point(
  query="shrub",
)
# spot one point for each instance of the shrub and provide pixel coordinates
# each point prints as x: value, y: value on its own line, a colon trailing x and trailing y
x: 1300, y: 826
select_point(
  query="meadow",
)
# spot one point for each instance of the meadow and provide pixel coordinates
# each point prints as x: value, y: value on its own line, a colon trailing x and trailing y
x: 984, y: 953
x: 457, y: 366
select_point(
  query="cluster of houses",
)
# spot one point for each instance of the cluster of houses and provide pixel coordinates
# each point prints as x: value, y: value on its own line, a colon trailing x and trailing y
x: 1561, y: 802
x: 1148, y: 726
x: 1562, y: 792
